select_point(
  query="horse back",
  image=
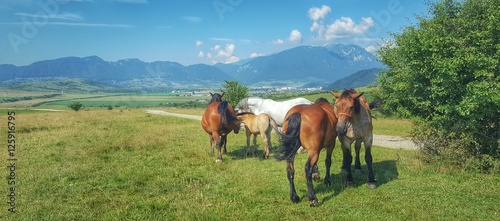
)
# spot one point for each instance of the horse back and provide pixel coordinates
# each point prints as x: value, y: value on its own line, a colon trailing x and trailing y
x: 318, y: 124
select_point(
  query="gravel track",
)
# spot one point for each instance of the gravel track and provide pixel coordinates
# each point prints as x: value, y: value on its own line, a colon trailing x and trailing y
x: 378, y: 140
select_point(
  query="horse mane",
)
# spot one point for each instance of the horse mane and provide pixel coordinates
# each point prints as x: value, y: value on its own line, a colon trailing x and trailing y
x: 321, y: 100
x: 347, y: 94
x: 225, y: 115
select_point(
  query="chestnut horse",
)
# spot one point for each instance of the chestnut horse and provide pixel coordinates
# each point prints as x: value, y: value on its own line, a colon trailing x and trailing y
x: 313, y: 127
x: 261, y: 124
x: 354, y: 125
x: 218, y: 121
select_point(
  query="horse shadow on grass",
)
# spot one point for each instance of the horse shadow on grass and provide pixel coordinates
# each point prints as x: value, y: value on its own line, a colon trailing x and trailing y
x: 385, y: 171
x: 253, y: 152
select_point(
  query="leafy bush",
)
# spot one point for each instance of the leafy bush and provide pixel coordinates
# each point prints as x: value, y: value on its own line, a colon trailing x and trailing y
x: 76, y: 105
x: 234, y: 92
x: 444, y: 73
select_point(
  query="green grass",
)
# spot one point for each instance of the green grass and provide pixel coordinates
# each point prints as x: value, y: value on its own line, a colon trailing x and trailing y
x: 136, y: 100
x: 129, y: 165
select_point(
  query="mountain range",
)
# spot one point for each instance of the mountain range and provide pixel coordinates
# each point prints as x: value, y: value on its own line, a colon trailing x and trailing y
x: 303, y: 64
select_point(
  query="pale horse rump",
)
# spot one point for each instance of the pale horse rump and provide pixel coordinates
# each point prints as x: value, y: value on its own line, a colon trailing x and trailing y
x: 277, y: 110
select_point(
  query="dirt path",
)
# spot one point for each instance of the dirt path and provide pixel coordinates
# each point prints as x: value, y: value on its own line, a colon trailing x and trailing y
x: 378, y: 140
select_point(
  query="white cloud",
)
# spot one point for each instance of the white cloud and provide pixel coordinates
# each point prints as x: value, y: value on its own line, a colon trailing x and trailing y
x: 201, y: 54
x: 371, y: 48
x: 346, y: 27
x: 221, y: 39
x: 62, y: 16
x: 255, y: 54
x: 319, y: 13
x: 199, y: 43
x: 341, y: 28
x: 278, y: 42
x: 222, y: 54
x: 295, y: 36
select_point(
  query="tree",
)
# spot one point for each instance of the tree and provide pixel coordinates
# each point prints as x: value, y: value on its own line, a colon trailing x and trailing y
x: 234, y: 92
x: 76, y: 105
x: 444, y: 73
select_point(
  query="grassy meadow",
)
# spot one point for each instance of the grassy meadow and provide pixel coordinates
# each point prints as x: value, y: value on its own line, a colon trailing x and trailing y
x: 124, y: 164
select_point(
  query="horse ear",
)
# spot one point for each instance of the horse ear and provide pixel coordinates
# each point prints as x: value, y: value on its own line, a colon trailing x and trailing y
x: 357, y: 95
x: 336, y: 95
x: 222, y: 94
x: 211, y: 94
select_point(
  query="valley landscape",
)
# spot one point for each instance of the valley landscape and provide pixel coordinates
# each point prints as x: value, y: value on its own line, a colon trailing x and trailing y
x: 114, y: 160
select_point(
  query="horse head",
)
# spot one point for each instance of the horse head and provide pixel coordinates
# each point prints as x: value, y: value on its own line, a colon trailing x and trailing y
x: 242, y: 106
x: 346, y: 106
x: 216, y: 97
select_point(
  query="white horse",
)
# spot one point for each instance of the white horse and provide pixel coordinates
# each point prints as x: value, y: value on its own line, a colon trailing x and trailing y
x: 277, y: 110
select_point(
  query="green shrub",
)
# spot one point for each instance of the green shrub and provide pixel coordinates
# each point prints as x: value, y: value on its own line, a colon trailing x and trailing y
x: 76, y: 105
x: 444, y: 73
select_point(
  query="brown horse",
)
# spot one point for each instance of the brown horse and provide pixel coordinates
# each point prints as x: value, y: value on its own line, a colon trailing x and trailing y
x: 354, y: 125
x: 261, y: 124
x: 313, y: 127
x: 218, y: 121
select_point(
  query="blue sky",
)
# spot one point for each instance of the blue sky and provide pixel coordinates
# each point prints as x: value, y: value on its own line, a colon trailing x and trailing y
x: 191, y: 32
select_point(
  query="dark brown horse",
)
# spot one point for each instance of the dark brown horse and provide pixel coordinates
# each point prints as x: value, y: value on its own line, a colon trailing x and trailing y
x: 313, y: 127
x: 354, y: 125
x: 218, y: 121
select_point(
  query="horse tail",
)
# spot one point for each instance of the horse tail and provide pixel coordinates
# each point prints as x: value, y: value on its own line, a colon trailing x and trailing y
x: 226, y: 117
x: 290, y: 141
x: 274, y: 125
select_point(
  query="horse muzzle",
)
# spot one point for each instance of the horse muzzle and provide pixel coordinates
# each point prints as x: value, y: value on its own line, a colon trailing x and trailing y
x: 342, y: 128
x: 236, y: 130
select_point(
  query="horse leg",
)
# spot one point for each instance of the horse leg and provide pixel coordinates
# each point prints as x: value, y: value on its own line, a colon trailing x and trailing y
x: 346, y: 165
x: 224, y: 142
x: 219, y: 144
x: 328, y: 164
x: 372, y: 184
x: 266, y: 142
x: 254, y: 147
x: 290, y: 171
x: 357, y: 163
x: 211, y: 146
x: 248, y: 133
x: 309, y: 169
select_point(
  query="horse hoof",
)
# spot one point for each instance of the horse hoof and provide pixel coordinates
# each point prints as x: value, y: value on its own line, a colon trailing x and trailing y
x: 313, y: 203
x: 357, y: 171
x: 349, y: 183
x: 316, y: 177
x: 218, y: 161
x: 372, y: 185
x: 295, y: 198
x: 328, y: 182
x: 343, y: 171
